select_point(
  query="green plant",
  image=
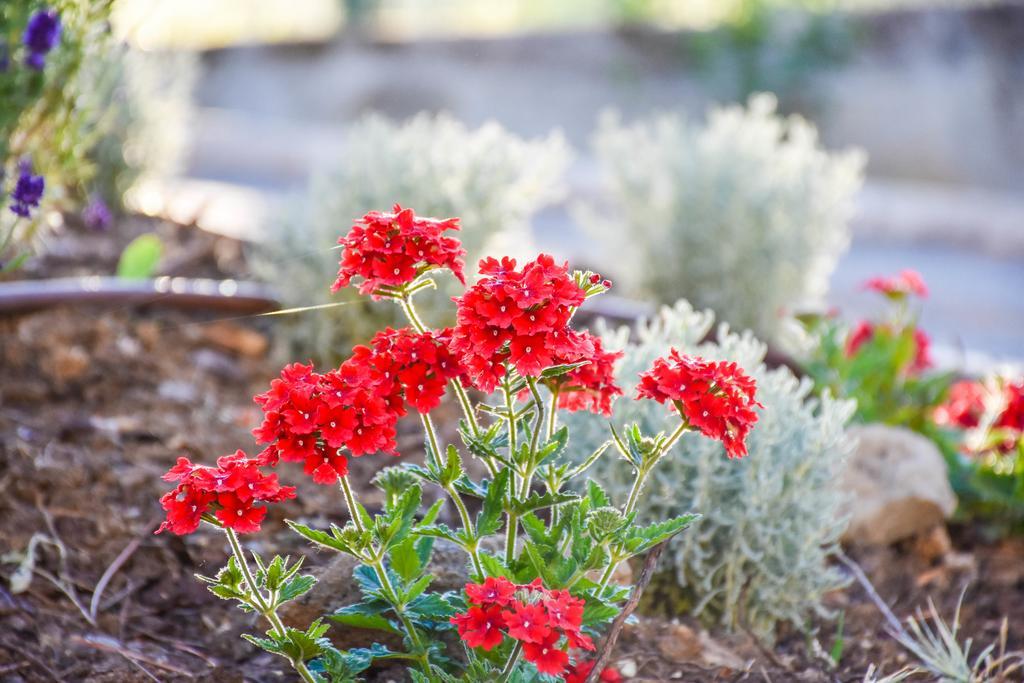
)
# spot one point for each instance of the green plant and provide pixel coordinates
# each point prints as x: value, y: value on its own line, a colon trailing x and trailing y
x: 987, y: 422
x: 492, y: 179
x: 883, y: 365
x: 533, y: 605
x: 937, y: 647
x: 746, y: 215
x: 760, y: 554
x: 48, y: 119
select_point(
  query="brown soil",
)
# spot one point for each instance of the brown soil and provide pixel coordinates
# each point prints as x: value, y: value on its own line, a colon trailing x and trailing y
x: 96, y: 404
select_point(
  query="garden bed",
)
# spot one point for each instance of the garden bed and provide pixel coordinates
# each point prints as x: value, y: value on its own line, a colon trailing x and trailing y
x: 97, y: 403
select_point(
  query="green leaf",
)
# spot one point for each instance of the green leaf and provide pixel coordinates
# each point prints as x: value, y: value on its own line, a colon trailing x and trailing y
x: 643, y: 538
x: 538, y: 501
x: 139, y: 259
x: 597, y: 612
x: 557, y: 370
x: 321, y: 538
x: 295, y: 587
x: 398, y: 520
x: 404, y: 559
x: 432, y: 607
x: 363, y: 615
x: 494, y: 566
x: 417, y: 587
x: 489, y: 520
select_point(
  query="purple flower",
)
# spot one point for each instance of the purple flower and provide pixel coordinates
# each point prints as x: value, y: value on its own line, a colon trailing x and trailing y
x: 96, y: 214
x: 27, y: 191
x: 41, y: 35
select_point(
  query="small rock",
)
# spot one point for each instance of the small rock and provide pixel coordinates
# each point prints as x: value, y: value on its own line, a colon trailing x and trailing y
x: 898, y: 486
x: 627, y: 667
x: 241, y: 340
x: 679, y: 644
x: 218, y: 364
x: 933, y: 544
x: 67, y: 364
x: 177, y: 391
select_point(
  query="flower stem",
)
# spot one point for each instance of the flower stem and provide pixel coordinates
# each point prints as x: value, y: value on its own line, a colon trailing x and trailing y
x: 553, y: 413
x: 350, y: 501
x: 510, y: 665
x: 268, y: 610
x: 467, y: 522
x: 411, y: 314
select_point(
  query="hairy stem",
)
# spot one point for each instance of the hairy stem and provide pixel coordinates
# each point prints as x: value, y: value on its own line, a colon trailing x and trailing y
x: 350, y: 501
x: 467, y: 521
x: 268, y: 610
x: 510, y: 665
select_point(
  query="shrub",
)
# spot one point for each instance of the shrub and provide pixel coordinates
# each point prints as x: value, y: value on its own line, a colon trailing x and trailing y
x: 529, y: 608
x: 49, y: 119
x: 759, y: 555
x: 492, y: 179
x: 746, y: 215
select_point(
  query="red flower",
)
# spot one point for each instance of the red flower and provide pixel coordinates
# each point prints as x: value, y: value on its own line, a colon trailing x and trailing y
x: 965, y: 406
x: 535, y: 616
x: 865, y: 331
x: 577, y: 673
x: 592, y: 386
x: 1012, y: 417
x: 860, y: 335
x: 922, y: 353
x: 546, y: 656
x: 899, y: 286
x: 527, y: 623
x: 309, y: 417
x: 239, y: 515
x: 480, y: 626
x: 493, y: 591
x: 420, y: 362
x: 231, y: 489
x: 393, y: 249
x: 519, y: 317
x: 715, y: 397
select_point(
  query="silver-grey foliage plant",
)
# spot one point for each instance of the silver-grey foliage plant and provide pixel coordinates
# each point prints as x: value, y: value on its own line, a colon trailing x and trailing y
x: 759, y: 555
x: 746, y: 215
x: 491, y: 179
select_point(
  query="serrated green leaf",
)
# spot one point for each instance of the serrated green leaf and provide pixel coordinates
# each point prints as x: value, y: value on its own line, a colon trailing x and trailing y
x: 641, y: 539
x: 404, y: 559
x: 431, y: 606
x: 295, y: 587
x: 494, y: 566
x: 558, y: 370
x: 321, y: 538
x: 226, y: 592
x: 539, y: 501
x: 373, y: 622
x: 489, y: 520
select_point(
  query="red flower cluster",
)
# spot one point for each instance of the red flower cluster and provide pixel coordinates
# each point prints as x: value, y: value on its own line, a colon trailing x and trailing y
x: 715, y: 397
x: 419, y: 362
x: 865, y: 332
x: 577, y: 673
x: 590, y: 387
x: 535, y: 616
x: 393, y: 249
x: 517, y: 316
x: 309, y: 416
x: 1012, y: 416
x: 899, y: 286
x: 965, y: 406
x: 233, y: 488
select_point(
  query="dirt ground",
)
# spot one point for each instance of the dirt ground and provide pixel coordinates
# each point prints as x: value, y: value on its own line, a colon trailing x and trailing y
x: 95, y: 404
